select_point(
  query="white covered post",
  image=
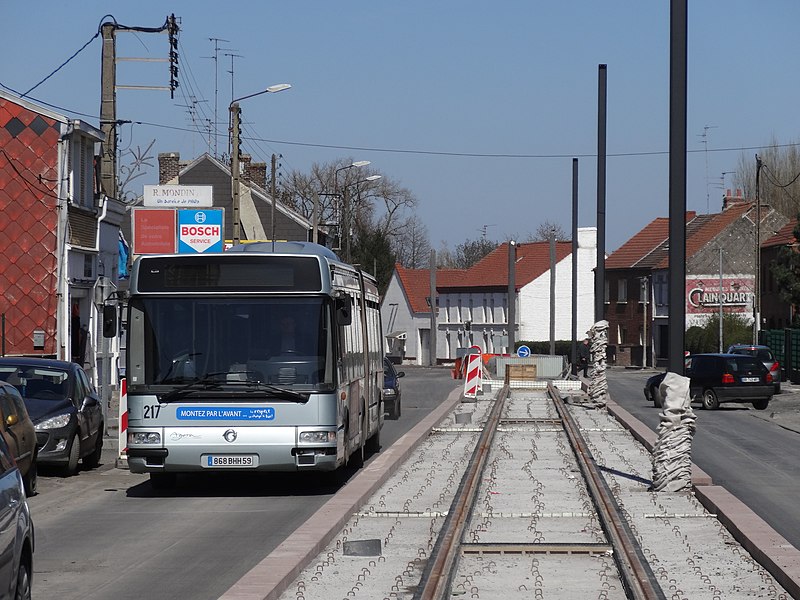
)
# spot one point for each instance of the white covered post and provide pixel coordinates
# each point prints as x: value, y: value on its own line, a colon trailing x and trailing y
x: 672, y: 453
x: 598, y: 341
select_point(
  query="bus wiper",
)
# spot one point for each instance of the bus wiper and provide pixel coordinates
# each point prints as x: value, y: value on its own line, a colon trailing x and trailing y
x: 208, y: 382
x: 284, y: 393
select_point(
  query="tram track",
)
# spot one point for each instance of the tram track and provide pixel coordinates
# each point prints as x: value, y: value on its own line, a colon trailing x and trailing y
x: 525, y: 495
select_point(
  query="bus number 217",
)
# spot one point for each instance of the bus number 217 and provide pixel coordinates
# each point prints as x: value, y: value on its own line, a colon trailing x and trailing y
x: 151, y: 411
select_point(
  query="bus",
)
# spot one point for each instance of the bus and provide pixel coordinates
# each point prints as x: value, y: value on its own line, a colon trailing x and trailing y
x: 267, y: 357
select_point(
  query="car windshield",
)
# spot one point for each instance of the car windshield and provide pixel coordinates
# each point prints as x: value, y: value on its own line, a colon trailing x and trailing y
x: 743, y: 364
x: 762, y: 354
x: 44, y: 383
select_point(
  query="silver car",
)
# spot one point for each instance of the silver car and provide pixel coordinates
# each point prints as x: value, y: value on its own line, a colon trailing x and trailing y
x: 765, y: 355
x: 16, y: 531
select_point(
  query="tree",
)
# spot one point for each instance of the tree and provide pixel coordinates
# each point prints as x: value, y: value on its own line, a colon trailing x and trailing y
x: 779, y: 179
x: 466, y: 254
x: 543, y: 231
x: 787, y: 273
x: 735, y: 328
x: 372, y: 250
x: 412, y: 248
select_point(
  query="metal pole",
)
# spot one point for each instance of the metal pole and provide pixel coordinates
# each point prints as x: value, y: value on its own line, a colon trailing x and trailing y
x: 643, y: 292
x: 512, y: 295
x: 552, y: 292
x: 273, y: 193
x: 757, y: 270
x: 600, y: 271
x: 574, y: 262
x: 235, y: 114
x: 315, y: 220
x: 677, y: 186
x: 720, y: 299
x: 433, y: 336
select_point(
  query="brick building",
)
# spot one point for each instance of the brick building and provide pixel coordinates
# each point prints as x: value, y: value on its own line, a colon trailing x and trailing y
x: 637, y: 275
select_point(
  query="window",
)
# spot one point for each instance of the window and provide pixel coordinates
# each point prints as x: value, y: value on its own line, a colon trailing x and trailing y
x: 643, y: 290
x: 606, y: 293
x: 447, y: 312
x: 81, y: 165
x: 661, y: 289
x: 622, y: 290
x: 622, y: 333
x: 490, y: 318
x: 88, y: 266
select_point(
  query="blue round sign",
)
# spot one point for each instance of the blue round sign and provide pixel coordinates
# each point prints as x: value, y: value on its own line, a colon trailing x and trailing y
x: 523, y: 351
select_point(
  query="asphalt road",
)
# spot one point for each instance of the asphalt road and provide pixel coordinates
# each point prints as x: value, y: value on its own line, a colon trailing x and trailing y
x: 105, y: 533
x: 753, y: 454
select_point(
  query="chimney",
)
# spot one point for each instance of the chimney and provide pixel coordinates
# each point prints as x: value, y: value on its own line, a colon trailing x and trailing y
x: 169, y: 166
x: 728, y: 200
x: 256, y: 173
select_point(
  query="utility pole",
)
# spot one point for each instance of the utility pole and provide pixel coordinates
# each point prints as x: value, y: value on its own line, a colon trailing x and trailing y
x: 512, y: 295
x: 433, y: 336
x: 757, y: 286
x: 235, y: 116
x: 273, y: 193
x: 600, y: 270
x: 552, y: 292
x: 108, y: 111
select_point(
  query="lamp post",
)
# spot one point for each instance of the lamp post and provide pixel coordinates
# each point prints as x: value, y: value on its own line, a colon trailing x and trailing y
x: 235, y: 113
x: 354, y: 165
x: 347, y: 224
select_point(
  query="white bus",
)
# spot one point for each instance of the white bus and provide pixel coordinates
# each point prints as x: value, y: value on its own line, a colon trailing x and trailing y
x: 266, y: 357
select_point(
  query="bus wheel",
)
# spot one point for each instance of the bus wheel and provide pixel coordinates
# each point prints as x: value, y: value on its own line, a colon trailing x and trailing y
x: 163, y: 481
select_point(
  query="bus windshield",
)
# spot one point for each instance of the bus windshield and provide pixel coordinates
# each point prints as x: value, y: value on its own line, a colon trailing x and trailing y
x: 284, y: 342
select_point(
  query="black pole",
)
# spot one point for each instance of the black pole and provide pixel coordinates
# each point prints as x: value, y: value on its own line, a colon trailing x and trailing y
x: 677, y: 185
x: 574, y: 262
x: 600, y: 271
x: 512, y: 296
x: 3, y: 335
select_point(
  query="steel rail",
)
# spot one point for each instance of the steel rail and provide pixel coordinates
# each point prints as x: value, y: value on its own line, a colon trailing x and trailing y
x: 635, y: 572
x: 440, y: 568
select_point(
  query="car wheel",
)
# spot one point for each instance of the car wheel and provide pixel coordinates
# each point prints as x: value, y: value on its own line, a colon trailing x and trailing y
x: 31, y: 479
x: 397, y: 408
x: 163, y: 481
x: 710, y: 400
x: 761, y: 404
x: 74, y: 455
x: 92, y: 460
x: 23, y: 591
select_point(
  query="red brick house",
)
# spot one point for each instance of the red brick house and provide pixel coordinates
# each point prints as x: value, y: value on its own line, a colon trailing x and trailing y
x: 637, y: 275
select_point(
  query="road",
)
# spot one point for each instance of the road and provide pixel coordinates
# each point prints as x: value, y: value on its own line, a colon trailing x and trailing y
x: 105, y: 533
x: 754, y: 454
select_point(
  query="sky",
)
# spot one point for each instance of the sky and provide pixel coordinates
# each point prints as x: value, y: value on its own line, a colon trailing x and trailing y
x: 477, y: 108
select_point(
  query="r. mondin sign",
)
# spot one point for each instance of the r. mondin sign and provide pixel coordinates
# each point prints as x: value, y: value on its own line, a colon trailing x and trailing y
x: 179, y: 196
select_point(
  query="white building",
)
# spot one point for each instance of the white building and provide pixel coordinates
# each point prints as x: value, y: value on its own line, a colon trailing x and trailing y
x: 473, y: 303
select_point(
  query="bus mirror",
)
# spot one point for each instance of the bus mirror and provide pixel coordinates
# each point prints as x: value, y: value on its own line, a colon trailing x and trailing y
x: 109, y: 320
x: 344, y: 310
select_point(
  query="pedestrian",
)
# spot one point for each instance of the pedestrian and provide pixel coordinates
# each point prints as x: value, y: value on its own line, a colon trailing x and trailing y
x: 583, y: 357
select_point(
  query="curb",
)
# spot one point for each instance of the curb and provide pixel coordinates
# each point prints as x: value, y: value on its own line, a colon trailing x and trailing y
x: 770, y: 549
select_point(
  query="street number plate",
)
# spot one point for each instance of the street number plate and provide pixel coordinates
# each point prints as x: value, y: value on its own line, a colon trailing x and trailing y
x: 229, y: 461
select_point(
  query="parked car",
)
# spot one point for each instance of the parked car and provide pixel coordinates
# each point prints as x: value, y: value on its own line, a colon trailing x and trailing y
x: 18, y: 432
x: 716, y: 378
x: 16, y: 530
x: 391, y: 389
x: 765, y: 355
x: 64, y: 407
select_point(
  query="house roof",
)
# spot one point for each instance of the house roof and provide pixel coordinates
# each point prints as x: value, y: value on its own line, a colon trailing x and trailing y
x: 533, y: 259
x: 417, y: 284
x: 783, y: 237
x: 649, y: 248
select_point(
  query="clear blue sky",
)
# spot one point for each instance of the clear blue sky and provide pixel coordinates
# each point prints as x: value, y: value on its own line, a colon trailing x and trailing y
x: 398, y: 82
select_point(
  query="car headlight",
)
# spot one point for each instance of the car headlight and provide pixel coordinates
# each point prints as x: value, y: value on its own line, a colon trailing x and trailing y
x: 144, y: 437
x: 53, y: 422
x: 389, y: 392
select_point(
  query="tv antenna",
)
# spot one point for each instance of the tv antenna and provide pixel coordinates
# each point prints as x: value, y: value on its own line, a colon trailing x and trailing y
x: 216, y: 84
x: 704, y: 141
x: 483, y: 229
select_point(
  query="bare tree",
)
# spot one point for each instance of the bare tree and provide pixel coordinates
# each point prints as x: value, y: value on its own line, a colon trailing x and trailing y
x: 412, y: 247
x: 543, y: 231
x: 779, y: 181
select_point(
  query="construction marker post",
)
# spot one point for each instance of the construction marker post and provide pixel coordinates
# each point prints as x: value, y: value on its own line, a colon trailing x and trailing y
x: 123, y: 422
x: 473, y: 382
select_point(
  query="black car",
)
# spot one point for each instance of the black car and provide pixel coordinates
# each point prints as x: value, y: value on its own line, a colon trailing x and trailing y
x: 64, y: 407
x: 716, y: 378
x: 16, y: 535
x: 765, y: 355
x: 391, y: 389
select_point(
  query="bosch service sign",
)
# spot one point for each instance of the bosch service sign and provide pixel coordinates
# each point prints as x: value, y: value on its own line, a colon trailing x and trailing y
x: 200, y: 230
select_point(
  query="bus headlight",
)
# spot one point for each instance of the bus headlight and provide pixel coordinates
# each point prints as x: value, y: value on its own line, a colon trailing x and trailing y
x: 144, y: 437
x: 317, y: 437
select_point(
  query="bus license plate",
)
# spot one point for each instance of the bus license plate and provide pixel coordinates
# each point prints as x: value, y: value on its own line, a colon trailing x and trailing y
x: 229, y: 461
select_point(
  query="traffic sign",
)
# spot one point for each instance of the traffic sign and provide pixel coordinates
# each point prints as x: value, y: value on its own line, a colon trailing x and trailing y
x: 523, y: 351
x: 199, y: 230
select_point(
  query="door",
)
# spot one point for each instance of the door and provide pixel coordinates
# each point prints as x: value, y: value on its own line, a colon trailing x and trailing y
x: 90, y: 414
x: 424, y: 354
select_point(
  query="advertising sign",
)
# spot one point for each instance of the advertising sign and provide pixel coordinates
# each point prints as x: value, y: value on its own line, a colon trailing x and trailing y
x: 153, y: 231
x: 703, y: 294
x: 200, y: 231
x: 178, y: 196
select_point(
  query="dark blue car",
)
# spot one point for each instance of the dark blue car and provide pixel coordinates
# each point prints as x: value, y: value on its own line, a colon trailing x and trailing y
x: 391, y: 389
x: 64, y: 407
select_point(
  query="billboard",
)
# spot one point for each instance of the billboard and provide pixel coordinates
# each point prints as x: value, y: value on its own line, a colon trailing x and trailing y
x: 200, y: 230
x: 153, y: 231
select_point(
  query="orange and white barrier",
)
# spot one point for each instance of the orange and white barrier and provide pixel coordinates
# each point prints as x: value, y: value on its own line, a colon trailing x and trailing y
x: 474, y: 379
x: 123, y: 419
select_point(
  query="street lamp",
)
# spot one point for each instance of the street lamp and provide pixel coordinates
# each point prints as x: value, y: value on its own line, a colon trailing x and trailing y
x: 353, y: 165
x: 235, y: 113
x: 347, y: 225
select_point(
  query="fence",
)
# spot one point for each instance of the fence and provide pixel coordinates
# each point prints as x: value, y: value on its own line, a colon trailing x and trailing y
x: 785, y: 344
